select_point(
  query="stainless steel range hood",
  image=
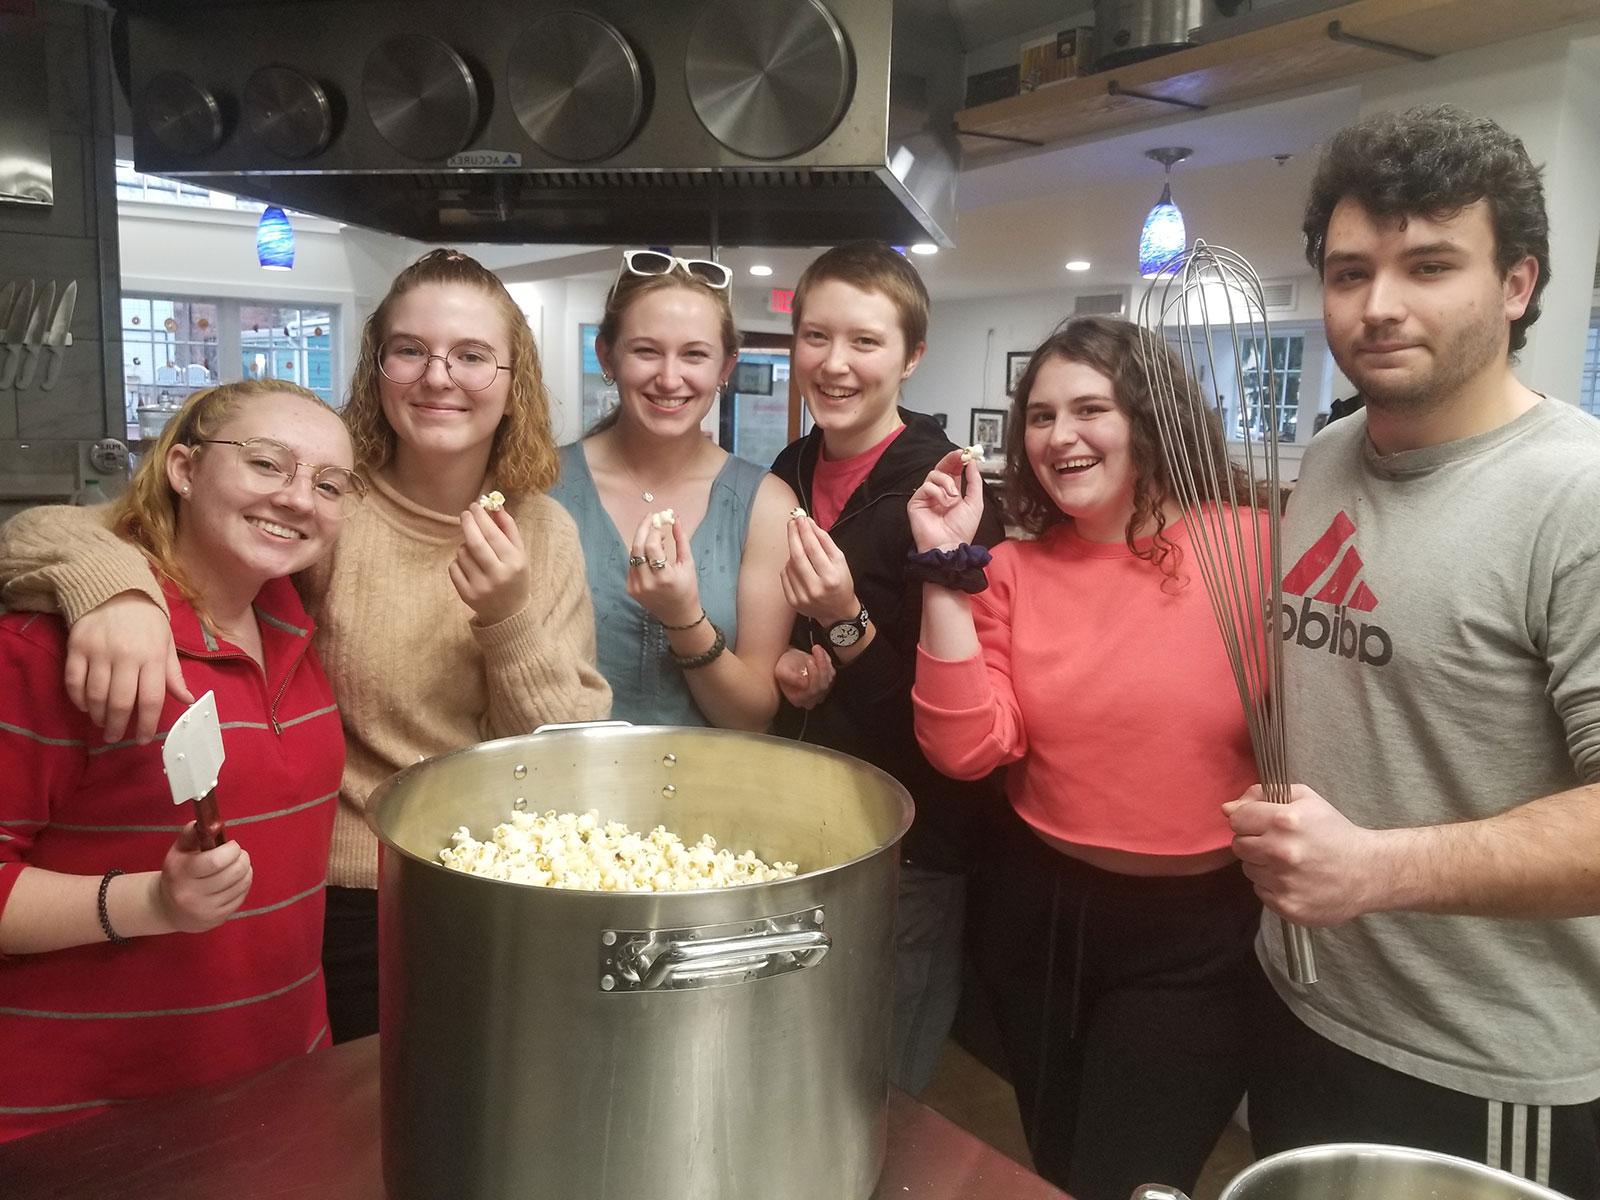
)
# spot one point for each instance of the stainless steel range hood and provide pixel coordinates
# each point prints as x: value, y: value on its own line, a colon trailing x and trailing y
x: 755, y: 122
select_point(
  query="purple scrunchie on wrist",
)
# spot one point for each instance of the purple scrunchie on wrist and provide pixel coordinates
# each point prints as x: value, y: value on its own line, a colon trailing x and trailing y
x: 961, y: 568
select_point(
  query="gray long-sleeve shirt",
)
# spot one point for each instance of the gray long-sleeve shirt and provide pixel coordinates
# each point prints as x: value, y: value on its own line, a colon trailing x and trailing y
x: 1442, y: 663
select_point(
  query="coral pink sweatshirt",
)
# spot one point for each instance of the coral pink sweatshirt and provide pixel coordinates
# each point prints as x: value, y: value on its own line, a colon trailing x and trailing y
x: 1112, y: 696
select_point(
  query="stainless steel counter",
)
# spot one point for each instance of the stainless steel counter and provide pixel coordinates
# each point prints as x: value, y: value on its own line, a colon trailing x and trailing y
x: 308, y: 1130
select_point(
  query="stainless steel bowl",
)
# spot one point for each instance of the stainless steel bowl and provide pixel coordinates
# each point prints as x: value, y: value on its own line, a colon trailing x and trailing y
x: 1363, y: 1171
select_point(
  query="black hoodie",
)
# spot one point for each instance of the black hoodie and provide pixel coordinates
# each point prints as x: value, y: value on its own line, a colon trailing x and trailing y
x: 868, y: 711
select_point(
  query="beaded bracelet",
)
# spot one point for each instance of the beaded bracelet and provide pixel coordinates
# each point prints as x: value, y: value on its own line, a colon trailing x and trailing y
x: 961, y: 568
x: 112, y: 935
x: 689, y: 662
x: 690, y: 625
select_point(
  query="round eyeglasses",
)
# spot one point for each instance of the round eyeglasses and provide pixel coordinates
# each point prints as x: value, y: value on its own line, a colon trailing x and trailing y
x: 471, y: 365
x: 267, y: 466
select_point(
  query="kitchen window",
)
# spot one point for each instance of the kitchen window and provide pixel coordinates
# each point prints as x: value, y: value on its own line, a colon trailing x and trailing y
x: 1589, y: 388
x: 175, y: 345
x: 1237, y: 388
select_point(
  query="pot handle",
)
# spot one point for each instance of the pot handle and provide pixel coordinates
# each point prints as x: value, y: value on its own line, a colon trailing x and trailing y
x: 683, y: 964
x: 1157, y: 1191
x: 557, y: 725
x: 681, y: 959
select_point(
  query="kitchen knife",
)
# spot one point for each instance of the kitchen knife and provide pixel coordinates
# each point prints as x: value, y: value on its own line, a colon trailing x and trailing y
x: 60, y: 335
x: 33, y: 340
x: 11, y: 337
x: 192, y: 756
x: 8, y: 296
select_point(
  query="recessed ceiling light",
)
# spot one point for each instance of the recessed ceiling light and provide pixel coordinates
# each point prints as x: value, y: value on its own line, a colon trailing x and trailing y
x: 924, y: 248
x: 1078, y: 264
x: 761, y: 269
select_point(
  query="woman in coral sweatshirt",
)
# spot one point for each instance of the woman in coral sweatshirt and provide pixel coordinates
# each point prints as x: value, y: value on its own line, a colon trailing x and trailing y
x: 1113, y: 924
x: 133, y: 962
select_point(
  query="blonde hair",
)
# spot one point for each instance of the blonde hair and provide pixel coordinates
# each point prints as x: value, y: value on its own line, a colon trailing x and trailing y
x: 147, y: 513
x: 522, y: 457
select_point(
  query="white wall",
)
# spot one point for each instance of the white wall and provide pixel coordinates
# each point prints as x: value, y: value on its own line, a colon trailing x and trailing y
x: 178, y: 250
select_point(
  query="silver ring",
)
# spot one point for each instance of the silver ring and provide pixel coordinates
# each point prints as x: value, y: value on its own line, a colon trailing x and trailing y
x: 636, y: 560
x: 658, y: 564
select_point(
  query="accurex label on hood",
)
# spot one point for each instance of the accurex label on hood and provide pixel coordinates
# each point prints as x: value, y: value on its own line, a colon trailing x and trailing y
x: 484, y: 158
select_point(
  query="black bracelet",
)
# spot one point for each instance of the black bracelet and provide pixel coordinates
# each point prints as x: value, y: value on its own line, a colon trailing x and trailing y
x: 690, y: 625
x: 112, y: 935
x: 961, y: 568
x: 688, y: 662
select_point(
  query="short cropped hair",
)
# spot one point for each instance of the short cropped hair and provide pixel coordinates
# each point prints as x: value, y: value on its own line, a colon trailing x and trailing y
x: 1433, y: 162
x: 871, y: 267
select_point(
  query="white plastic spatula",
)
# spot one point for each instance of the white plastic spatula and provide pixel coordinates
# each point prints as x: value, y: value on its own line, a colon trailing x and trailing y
x: 192, y: 756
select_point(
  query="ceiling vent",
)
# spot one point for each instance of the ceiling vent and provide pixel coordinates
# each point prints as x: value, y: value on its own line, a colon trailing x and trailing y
x: 1279, y: 294
x: 754, y: 122
x: 1101, y: 304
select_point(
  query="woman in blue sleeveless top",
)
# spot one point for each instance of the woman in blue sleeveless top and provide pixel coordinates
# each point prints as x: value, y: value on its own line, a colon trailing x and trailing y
x: 683, y: 543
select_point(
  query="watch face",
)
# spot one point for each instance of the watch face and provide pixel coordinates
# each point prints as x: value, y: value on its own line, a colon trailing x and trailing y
x: 845, y: 633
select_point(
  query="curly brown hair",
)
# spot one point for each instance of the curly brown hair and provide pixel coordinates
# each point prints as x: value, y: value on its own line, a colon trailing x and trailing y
x: 146, y: 514
x: 1434, y: 161
x: 522, y: 458
x: 1117, y: 349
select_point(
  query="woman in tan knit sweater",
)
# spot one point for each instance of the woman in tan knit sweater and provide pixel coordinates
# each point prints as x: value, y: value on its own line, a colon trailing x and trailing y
x: 440, y: 624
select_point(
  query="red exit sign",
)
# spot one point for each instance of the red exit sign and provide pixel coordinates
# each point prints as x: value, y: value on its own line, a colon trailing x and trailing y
x: 780, y: 300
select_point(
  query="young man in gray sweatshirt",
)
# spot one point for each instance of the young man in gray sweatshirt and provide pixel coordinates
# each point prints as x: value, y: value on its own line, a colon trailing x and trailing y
x: 1441, y: 628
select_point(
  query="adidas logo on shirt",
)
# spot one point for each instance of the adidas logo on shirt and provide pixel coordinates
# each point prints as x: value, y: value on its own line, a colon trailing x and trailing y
x: 1343, y: 590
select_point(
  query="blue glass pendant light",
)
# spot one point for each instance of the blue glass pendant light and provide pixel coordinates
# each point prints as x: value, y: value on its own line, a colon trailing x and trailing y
x: 275, y: 240
x: 1163, y: 236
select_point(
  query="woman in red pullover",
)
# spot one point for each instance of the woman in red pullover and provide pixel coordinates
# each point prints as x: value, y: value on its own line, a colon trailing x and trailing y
x: 1112, y: 924
x: 132, y: 962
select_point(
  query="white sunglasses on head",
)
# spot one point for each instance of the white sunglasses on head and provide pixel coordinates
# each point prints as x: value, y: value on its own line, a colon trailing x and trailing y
x: 653, y: 262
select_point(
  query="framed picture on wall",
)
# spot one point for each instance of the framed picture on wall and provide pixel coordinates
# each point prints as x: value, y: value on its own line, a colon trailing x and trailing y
x: 1016, y: 364
x: 988, y: 429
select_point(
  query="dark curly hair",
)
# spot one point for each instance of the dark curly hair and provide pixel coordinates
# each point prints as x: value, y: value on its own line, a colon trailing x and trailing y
x: 1434, y: 161
x: 1119, y: 350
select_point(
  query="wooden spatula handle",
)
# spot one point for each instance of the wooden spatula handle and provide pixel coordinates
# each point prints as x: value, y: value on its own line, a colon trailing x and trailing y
x: 208, y: 822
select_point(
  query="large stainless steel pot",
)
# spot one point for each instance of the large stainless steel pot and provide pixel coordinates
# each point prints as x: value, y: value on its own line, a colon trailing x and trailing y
x: 1127, y: 31
x: 1359, y: 1171
x: 721, y: 1045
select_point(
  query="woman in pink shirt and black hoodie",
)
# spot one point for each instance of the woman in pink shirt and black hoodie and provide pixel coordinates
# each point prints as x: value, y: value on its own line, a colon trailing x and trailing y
x: 1114, y: 926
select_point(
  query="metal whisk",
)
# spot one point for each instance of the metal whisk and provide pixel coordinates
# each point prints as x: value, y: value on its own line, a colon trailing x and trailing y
x: 1214, y: 299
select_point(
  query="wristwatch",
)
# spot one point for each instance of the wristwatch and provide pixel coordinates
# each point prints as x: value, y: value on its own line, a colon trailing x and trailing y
x: 848, y: 632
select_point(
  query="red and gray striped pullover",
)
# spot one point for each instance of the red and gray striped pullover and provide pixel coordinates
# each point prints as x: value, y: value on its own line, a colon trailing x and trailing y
x: 102, y: 1024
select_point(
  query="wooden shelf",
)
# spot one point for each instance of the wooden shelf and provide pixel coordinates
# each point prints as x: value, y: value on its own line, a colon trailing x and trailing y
x: 1278, y: 58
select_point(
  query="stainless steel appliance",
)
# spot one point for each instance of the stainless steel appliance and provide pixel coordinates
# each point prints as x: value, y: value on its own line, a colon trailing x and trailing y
x: 1358, y: 1171
x: 570, y: 1045
x: 762, y: 122
x: 1127, y: 31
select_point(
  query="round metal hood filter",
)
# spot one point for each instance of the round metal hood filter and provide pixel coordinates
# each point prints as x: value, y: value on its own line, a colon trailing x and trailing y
x: 769, y: 78
x: 421, y: 95
x: 576, y: 86
x: 180, y: 114
x: 287, y: 112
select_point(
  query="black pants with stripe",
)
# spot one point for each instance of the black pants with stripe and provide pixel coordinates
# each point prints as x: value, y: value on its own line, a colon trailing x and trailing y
x: 1120, y: 1002
x: 1306, y: 1090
